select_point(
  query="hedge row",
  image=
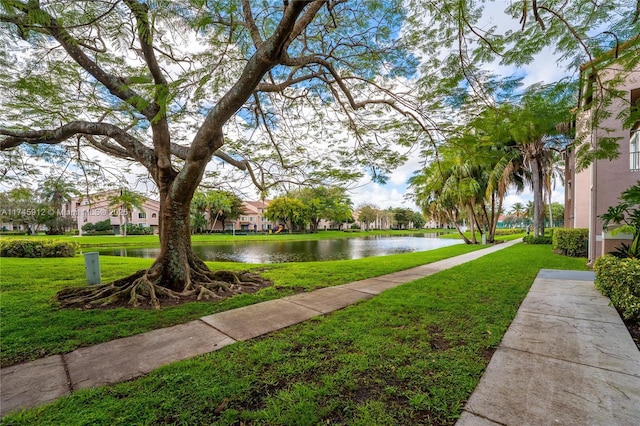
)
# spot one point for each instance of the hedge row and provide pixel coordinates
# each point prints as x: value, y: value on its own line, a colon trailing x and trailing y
x: 18, y: 232
x: 619, y: 280
x: 530, y: 239
x: 571, y: 241
x: 37, y: 248
x: 509, y: 231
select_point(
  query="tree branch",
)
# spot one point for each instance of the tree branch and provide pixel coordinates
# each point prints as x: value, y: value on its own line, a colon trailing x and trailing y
x: 279, y: 87
x: 71, y: 45
x: 209, y: 137
x: 160, y: 126
x: 133, y: 147
x: 251, y: 24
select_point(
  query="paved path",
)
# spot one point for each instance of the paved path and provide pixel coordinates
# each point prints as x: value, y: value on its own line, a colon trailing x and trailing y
x: 566, y: 359
x: 47, y: 379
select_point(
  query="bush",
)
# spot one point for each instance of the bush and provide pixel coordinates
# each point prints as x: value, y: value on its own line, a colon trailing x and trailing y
x: 509, y: 231
x: 88, y: 227
x: 102, y: 226
x: 571, y: 242
x: 16, y: 232
x: 619, y: 280
x: 98, y: 228
x: 36, y: 248
x: 530, y: 239
x: 140, y: 230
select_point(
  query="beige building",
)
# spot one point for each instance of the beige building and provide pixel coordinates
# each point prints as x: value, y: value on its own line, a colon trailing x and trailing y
x: 590, y: 192
x: 253, y: 218
x: 96, y: 208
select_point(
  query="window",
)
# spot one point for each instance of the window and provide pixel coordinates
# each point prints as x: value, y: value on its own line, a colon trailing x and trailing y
x: 634, y: 137
x: 142, y: 215
x: 251, y: 218
x: 634, y: 151
x: 153, y: 215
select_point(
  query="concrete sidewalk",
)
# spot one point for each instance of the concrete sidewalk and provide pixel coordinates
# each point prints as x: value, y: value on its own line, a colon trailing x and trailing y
x: 566, y: 359
x: 47, y: 379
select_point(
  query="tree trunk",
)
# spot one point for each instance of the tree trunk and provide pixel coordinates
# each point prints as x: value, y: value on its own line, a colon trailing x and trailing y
x: 538, y: 209
x: 176, y: 274
x: 176, y: 257
x: 472, y: 220
x: 550, y: 209
x: 453, y: 220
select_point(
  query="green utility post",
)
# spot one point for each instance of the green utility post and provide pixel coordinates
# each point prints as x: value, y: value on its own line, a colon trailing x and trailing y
x: 92, y: 266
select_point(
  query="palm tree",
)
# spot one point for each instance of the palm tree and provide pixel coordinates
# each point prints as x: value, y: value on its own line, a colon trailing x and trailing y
x: 124, y: 202
x: 554, y: 170
x: 434, y: 187
x: 529, y: 211
x: 56, y: 192
x: 518, y: 209
x: 534, y: 127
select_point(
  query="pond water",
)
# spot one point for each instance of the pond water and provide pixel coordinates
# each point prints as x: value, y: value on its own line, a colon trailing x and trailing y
x: 297, y: 251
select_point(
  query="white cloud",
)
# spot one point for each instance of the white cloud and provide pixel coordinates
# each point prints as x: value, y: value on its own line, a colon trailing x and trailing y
x: 381, y: 196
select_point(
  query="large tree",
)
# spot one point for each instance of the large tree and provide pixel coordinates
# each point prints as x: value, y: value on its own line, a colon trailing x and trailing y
x: 534, y: 125
x: 169, y: 84
x: 292, y: 211
x: 368, y: 214
x: 328, y: 203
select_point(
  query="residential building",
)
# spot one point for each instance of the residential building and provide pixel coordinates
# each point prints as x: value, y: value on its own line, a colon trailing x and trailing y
x: 590, y: 192
x: 253, y: 218
x: 96, y: 208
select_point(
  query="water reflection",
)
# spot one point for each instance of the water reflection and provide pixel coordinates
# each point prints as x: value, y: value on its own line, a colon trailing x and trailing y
x: 297, y: 251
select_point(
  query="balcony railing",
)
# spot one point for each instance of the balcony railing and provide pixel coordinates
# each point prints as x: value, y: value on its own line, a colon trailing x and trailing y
x: 634, y: 161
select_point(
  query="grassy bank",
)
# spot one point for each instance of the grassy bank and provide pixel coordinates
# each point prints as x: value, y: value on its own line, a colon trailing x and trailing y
x: 33, y: 326
x: 411, y: 355
x: 118, y: 240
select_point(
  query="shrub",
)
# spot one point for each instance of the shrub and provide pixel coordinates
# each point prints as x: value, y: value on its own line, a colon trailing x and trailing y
x: 619, y: 280
x: 98, y: 228
x: 16, y: 232
x: 571, y: 242
x: 509, y: 231
x: 139, y: 230
x: 36, y: 248
x: 530, y: 239
x: 102, y: 226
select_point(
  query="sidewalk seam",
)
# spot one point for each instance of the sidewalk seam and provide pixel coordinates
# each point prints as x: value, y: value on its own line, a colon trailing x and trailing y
x: 219, y: 331
x: 293, y: 302
x: 525, y: 310
x: 67, y: 373
x: 484, y: 417
x: 504, y: 347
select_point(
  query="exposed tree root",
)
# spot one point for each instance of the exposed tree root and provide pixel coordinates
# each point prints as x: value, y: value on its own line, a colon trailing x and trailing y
x: 145, y: 287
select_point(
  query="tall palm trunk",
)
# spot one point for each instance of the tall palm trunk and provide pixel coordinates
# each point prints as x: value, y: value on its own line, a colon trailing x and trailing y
x: 538, y: 208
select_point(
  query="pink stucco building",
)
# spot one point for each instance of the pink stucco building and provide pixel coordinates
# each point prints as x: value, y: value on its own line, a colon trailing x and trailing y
x: 590, y: 192
x: 96, y: 208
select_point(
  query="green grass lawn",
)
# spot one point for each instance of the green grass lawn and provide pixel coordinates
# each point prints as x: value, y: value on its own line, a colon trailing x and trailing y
x: 411, y: 355
x: 33, y: 326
